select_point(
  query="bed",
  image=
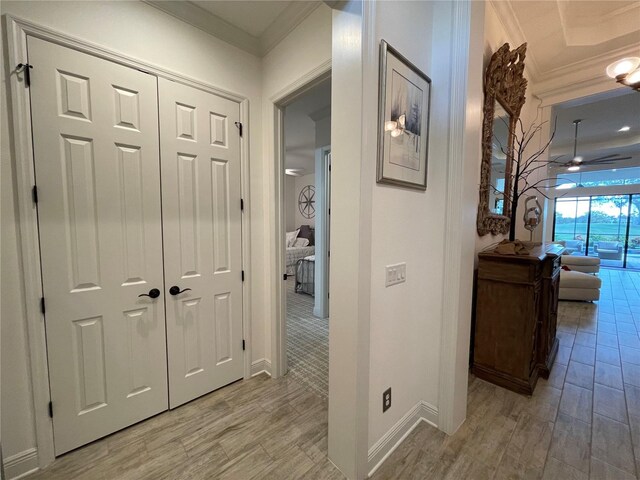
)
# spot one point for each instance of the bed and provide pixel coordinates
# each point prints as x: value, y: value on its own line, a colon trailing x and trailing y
x: 294, y: 254
x: 305, y: 275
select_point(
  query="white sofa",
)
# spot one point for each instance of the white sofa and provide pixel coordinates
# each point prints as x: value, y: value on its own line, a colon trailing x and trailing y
x: 579, y: 286
x: 580, y: 263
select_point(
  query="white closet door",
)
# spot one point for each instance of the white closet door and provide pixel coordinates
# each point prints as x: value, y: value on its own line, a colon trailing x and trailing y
x: 95, y: 126
x: 200, y: 151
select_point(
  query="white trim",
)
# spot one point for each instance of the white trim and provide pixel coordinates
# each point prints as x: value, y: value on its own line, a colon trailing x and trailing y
x: 209, y: 23
x: 21, y: 464
x: 245, y: 176
x: 380, y: 451
x: 453, y: 375
x: 29, y: 243
x: 17, y: 32
x: 25, y: 27
x: 261, y: 366
x: 277, y: 103
x: 304, y: 83
x: 509, y: 21
x: 292, y: 16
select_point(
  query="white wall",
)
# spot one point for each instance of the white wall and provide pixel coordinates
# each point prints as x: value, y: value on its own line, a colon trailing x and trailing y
x: 304, y: 50
x: 143, y: 32
x: 18, y: 431
x: 408, y: 226
x: 302, y: 182
x: 323, y: 132
x: 290, y: 203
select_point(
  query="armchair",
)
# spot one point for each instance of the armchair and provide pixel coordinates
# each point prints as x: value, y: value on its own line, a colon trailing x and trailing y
x: 608, y: 250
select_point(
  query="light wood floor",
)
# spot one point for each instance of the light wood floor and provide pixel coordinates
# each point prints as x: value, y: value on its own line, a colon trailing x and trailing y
x: 584, y: 422
x: 256, y: 429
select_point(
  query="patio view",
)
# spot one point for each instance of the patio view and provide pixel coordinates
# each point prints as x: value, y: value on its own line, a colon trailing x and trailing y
x: 604, y: 226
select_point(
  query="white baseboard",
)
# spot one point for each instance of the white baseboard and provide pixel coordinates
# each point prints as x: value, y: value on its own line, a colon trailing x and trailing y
x: 259, y: 366
x: 21, y: 464
x: 422, y: 412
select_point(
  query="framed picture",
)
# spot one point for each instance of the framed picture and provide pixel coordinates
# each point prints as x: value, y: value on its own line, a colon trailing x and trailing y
x: 403, y: 106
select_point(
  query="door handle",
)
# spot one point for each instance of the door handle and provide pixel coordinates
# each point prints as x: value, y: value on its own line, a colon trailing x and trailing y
x: 175, y: 290
x: 153, y: 293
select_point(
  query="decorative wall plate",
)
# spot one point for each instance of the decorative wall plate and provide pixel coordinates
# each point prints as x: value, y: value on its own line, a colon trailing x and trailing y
x: 307, y: 202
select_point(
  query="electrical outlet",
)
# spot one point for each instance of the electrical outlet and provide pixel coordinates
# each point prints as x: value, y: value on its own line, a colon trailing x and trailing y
x: 395, y: 274
x: 386, y: 400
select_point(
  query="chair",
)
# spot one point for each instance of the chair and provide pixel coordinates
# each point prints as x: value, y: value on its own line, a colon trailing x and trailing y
x: 608, y: 250
x: 572, y: 246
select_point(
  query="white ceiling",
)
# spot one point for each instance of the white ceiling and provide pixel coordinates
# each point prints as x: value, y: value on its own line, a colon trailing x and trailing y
x: 256, y: 26
x: 254, y: 17
x: 299, y: 128
x: 563, y: 36
x: 598, y: 134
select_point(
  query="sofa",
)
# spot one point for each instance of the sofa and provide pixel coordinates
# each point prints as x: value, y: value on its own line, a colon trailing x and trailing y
x: 579, y: 286
x: 608, y: 250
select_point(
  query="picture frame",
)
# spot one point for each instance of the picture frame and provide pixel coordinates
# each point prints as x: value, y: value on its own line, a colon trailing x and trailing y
x: 404, y: 105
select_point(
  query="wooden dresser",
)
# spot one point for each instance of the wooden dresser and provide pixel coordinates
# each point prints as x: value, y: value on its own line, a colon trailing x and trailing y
x: 516, y: 317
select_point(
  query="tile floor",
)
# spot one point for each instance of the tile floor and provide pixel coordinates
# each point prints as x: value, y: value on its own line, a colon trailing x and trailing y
x: 581, y: 423
x: 256, y: 429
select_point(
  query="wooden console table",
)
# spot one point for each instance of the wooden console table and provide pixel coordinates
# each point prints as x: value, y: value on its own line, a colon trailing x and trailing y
x: 516, y: 317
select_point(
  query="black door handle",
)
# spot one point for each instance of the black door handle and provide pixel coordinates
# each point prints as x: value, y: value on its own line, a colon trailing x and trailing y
x: 175, y: 290
x: 153, y: 293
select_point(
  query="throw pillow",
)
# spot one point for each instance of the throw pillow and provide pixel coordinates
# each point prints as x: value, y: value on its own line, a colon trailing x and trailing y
x: 291, y: 237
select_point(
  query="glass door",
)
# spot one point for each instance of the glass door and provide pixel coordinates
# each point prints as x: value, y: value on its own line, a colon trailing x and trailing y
x: 603, y: 226
x: 633, y: 246
x: 608, y: 229
x: 571, y: 223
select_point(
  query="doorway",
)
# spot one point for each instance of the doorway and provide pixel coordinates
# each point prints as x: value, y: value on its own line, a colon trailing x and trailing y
x: 306, y: 184
x: 603, y: 226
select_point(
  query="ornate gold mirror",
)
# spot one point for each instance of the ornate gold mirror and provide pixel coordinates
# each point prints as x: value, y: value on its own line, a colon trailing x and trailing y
x: 504, y: 89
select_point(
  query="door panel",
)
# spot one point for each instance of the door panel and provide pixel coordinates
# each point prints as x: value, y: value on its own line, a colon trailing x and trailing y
x: 200, y: 151
x: 95, y: 126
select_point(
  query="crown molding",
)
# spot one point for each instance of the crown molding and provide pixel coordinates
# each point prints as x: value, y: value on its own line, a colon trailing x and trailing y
x: 209, y: 23
x: 206, y: 21
x: 286, y: 22
x: 581, y: 78
x: 511, y: 25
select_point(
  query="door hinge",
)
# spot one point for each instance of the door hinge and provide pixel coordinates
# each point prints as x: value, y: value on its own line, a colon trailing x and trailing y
x: 285, y: 276
x: 243, y: 275
x: 50, y: 409
x: 239, y: 125
x: 242, y: 204
x: 42, y: 309
x: 26, y: 69
x: 34, y: 194
x: 244, y: 346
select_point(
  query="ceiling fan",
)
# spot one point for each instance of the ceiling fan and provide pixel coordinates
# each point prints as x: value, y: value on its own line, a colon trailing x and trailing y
x: 577, y: 161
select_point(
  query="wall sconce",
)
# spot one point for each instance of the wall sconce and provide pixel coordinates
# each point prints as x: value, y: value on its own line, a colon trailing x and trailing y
x: 626, y: 72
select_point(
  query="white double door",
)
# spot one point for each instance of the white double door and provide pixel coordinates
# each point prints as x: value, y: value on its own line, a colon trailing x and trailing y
x: 138, y: 182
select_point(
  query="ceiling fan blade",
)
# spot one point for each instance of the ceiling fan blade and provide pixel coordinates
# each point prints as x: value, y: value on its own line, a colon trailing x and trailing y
x: 604, y: 161
x: 613, y: 156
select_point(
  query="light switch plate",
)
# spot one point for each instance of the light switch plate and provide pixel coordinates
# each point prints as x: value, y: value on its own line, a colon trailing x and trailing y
x: 395, y: 274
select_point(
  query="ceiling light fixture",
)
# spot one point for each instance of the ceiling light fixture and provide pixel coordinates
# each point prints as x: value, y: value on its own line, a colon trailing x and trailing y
x: 626, y: 71
x: 574, y: 168
x: 626, y: 128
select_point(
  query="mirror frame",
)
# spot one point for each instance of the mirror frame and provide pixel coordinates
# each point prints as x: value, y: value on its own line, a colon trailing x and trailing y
x: 504, y: 82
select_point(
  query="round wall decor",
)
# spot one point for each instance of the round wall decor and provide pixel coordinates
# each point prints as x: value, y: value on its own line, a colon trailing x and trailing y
x: 307, y: 202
